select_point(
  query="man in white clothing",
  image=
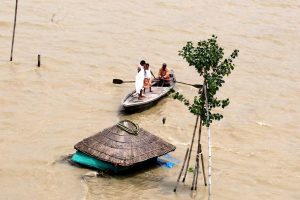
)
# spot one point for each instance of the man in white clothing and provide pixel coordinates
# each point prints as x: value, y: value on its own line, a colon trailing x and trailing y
x: 139, y: 79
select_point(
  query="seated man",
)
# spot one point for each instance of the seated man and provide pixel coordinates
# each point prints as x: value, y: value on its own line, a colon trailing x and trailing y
x: 164, y: 76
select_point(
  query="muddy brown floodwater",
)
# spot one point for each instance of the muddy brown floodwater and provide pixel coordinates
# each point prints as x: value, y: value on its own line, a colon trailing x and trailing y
x: 85, y: 44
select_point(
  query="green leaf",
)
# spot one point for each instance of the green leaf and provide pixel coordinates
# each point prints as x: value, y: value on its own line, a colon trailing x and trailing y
x: 190, y: 169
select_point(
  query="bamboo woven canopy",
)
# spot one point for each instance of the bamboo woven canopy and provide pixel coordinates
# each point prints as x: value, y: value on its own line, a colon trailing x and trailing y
x: 124, y: 144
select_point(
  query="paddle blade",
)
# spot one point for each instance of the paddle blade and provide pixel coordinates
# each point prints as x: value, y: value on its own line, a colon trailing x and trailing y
x: 197, y: 86
x: 194, y: 85
x: 117, y: 81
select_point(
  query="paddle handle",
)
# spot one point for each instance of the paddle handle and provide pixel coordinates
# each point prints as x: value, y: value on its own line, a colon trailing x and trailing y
x: 153, y: 75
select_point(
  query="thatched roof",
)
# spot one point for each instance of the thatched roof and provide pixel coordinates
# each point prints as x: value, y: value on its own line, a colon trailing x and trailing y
x: 120, y: 147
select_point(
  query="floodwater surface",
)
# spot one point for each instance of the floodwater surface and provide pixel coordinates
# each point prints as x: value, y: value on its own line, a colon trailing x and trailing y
x: 85, y: 44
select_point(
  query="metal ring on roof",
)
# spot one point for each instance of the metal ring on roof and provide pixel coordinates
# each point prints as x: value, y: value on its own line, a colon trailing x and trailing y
x: 134, y: 131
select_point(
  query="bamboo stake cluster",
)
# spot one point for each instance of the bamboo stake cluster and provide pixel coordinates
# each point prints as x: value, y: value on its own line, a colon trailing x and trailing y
x: 188, y: 154
x: 199, y: 154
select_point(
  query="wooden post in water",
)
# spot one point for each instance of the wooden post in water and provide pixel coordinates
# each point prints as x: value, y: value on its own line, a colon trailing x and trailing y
x: 13, y: 38
x: 39, y: 60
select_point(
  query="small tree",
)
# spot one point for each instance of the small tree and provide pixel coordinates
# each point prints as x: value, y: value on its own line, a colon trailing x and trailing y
x: 207, y: 58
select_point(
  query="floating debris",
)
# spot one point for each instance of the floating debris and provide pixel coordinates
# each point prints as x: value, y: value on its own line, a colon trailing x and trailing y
x: 164, y: 120
x: 263, y: 124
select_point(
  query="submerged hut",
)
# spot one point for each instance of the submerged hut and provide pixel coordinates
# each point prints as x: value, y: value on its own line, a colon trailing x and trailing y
x: 120, y: 147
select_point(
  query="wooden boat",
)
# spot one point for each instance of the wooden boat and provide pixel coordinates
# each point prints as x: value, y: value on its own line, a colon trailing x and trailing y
x: 131, y: 103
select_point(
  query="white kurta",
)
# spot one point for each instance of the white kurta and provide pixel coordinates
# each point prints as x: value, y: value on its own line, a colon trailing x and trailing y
x: 148, y: 73
x: 139, y: 80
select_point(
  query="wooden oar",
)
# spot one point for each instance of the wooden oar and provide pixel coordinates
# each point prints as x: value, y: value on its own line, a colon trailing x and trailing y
x: 153, y: 75
x: 194, y: 85
x: 119, y: 81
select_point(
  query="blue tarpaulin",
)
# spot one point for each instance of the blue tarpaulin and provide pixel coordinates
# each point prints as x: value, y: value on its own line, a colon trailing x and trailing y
x: 167, y: 161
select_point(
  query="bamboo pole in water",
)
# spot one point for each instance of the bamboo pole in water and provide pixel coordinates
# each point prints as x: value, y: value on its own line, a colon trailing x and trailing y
x: 190, y: 152
x: 209, y: 143
x: 194, y: 175
x: 203, y: 169
x: 13, y: 38
x: 187, y: 151
x: 199, y: 153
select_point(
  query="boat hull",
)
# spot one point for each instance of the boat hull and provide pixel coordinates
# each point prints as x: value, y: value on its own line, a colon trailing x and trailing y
x: 141, y: 107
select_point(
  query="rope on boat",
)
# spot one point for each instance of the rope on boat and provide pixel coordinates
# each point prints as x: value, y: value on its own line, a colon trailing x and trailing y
x: 133, y: 131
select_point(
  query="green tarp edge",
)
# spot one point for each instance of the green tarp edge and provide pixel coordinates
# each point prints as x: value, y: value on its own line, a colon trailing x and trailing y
x: 89, y: 161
